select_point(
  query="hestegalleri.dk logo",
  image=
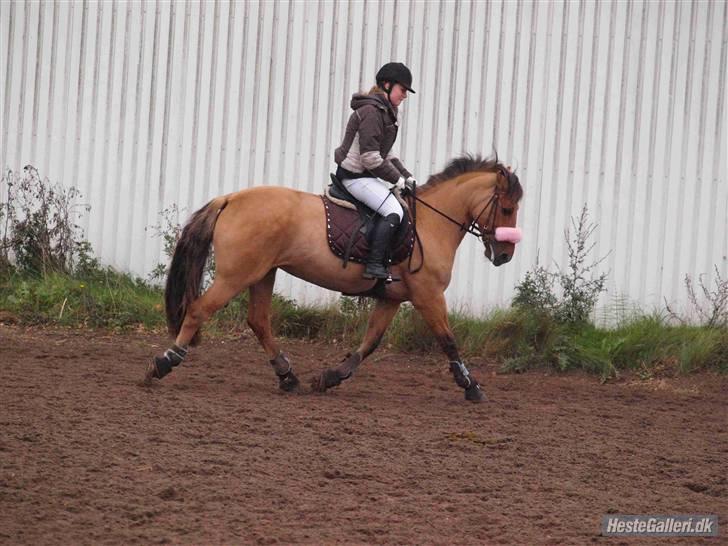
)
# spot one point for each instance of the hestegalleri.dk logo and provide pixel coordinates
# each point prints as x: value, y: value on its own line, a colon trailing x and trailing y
x: 701, y: 525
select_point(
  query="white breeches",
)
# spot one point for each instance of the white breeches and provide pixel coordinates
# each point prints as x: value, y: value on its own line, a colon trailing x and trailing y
x: 375, y: 194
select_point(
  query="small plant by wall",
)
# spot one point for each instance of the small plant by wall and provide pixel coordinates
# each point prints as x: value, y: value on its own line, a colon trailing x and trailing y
x: 39, y: 230
x: 567, y: 295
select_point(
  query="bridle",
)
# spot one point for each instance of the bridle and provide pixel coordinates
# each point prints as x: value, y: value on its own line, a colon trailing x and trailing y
x: 486, y: 234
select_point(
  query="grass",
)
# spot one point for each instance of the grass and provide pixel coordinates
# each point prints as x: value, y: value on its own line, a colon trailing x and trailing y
x: 646, y: 344
x: 109, y: 300
x: 520, y: 339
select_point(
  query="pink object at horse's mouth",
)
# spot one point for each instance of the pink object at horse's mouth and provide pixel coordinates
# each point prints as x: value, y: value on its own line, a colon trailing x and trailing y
x: 508, y: 234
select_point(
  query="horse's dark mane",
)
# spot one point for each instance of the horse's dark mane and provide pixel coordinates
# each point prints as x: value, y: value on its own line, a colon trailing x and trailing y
x: 468, y: 163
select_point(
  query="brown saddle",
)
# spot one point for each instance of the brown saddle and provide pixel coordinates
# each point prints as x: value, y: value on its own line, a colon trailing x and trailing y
x: 348, y: 228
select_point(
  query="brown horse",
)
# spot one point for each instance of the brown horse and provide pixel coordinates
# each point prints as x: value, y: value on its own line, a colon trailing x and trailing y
x: 256, y: 231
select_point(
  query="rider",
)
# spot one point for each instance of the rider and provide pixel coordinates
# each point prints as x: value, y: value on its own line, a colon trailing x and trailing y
x: 366, y: 165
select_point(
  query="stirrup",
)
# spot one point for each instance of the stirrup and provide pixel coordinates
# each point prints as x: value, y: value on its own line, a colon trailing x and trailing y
x: 379, y: 272
x: 386, y: 280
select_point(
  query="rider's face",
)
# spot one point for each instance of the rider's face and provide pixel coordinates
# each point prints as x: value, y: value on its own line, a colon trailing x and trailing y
x: 397, y: 95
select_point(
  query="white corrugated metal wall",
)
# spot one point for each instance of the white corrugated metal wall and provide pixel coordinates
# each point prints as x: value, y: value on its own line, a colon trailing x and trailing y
x: 620, y: 105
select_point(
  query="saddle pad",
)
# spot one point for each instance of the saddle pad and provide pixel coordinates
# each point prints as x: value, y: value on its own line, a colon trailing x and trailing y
x: 342, y: 222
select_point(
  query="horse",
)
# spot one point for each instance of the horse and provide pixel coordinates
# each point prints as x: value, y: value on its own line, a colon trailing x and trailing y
x: 256, y: 231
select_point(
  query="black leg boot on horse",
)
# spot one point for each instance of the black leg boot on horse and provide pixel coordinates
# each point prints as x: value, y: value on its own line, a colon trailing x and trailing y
x: 162, y: 365
x: 376, y: 264
x: 434, y: 311
x: 379, y: 320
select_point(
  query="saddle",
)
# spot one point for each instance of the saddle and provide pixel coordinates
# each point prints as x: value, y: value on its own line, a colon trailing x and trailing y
x: 349, y: 225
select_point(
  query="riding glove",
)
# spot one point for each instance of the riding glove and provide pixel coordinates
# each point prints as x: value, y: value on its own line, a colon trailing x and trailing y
x: 405, y: 185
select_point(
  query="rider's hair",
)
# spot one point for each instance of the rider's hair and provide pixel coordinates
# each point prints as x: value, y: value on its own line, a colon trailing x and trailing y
x: 376, y: 90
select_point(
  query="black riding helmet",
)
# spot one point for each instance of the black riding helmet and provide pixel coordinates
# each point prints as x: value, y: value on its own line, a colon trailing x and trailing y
x: 395, y: 73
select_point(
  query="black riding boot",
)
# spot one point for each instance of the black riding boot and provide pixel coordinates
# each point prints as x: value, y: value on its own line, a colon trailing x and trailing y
x: 384, y: 230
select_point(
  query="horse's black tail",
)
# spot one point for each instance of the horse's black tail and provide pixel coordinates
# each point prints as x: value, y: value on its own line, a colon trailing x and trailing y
x: 188, y: 264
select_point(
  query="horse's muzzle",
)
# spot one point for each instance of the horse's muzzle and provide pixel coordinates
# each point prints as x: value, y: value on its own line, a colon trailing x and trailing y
x: 498, y: 253
x: 502, y: 258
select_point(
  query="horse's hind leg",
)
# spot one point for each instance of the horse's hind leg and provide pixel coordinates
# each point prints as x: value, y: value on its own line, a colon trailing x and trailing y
x: 379, y: 321
x: 222, y: 291
x: 259, y: 308
x: 215, y: 298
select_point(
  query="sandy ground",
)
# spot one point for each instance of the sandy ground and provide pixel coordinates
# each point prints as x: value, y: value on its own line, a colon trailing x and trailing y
x: 215, y: 454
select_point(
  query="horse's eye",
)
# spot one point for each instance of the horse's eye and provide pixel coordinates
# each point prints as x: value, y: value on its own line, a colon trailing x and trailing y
x: 507, y: 212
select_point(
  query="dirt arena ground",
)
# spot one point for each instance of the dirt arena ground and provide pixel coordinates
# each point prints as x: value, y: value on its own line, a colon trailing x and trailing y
x: 215, y: 455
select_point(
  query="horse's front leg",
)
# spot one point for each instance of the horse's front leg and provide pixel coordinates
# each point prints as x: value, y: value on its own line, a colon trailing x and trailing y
x: 379, y: 320
x: 434, y: 312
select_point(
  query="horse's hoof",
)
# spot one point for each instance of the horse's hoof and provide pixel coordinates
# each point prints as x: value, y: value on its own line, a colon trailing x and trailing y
x: 474, y: 393
x: 158, y: 368
x: 288, y: 382
x: 327, y: 379
x: 151, y: 373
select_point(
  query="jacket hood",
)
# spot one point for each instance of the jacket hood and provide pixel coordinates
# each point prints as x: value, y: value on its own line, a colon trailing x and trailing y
x: 380, y: 101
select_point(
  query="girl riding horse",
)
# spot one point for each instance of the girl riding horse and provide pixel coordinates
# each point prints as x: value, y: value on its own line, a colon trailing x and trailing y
x: 366, y: 165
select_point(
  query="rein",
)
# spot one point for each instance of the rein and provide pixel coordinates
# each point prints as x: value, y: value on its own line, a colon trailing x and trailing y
x: 473, y: 228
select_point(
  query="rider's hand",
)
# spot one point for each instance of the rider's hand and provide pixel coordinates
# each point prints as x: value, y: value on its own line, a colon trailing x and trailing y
x: 400, y: 184
x: 410, y: 183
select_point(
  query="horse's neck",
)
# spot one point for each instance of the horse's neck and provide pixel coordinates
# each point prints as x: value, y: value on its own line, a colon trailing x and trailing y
x: 457, y: 198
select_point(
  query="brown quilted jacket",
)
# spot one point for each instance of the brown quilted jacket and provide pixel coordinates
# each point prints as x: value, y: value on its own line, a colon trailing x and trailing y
x: 368, y: 140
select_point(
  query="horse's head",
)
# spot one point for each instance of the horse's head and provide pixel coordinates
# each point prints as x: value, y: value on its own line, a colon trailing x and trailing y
x: 490, y: 200
x: 497, y: 217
